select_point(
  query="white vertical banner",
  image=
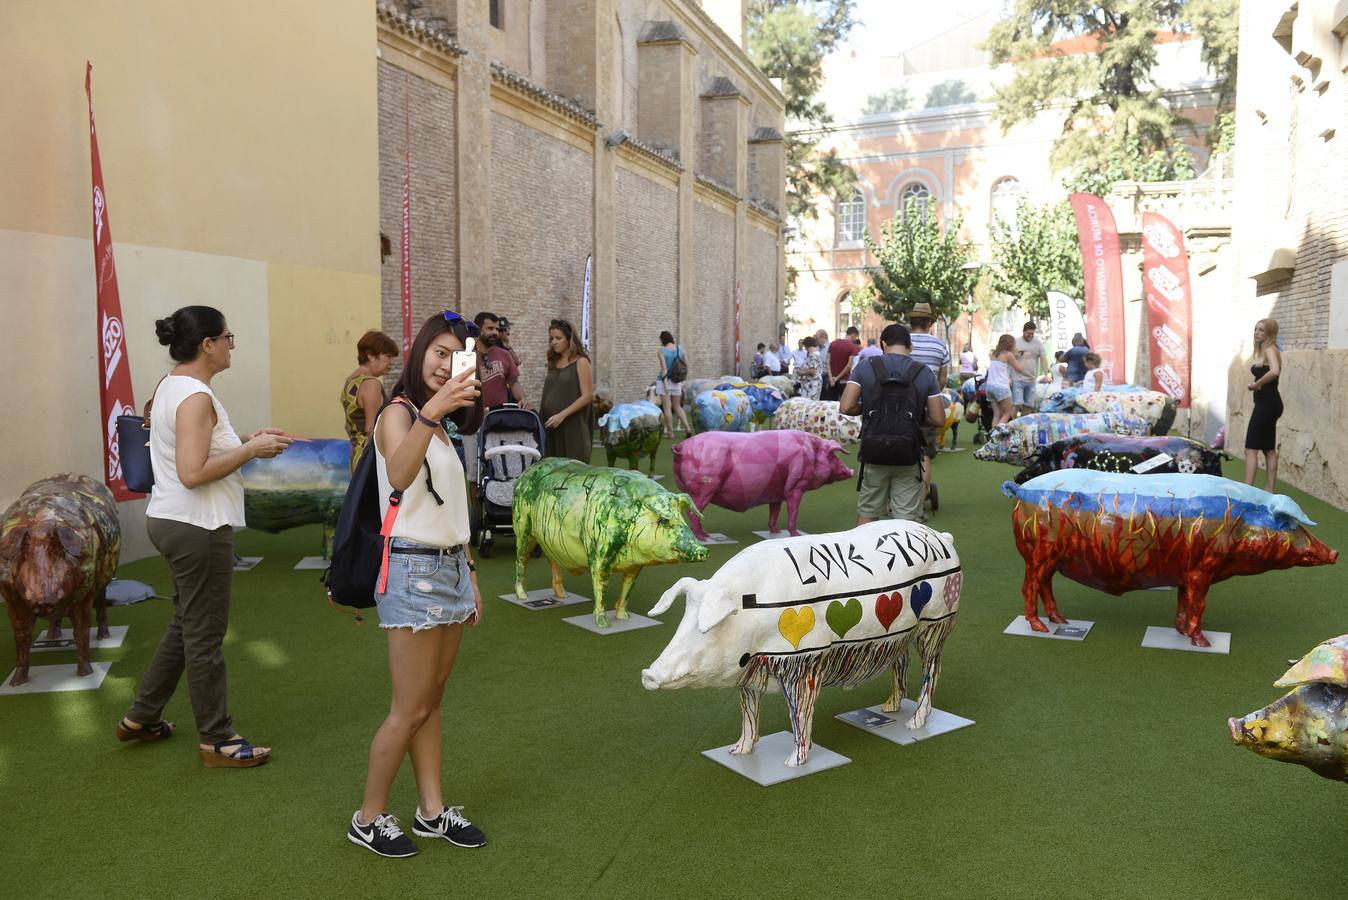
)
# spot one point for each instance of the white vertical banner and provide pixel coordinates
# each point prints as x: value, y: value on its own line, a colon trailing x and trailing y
x: 585, y: 306
x: 1064, y: 320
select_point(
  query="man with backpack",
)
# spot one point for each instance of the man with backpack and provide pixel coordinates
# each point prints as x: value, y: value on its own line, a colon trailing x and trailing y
x: 895, y: 396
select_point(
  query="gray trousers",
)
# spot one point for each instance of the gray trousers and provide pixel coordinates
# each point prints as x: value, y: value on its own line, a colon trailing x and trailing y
x: 202, y: 565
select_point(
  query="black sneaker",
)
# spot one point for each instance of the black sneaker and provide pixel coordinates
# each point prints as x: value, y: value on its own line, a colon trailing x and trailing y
x: 450, y: 825
x: 382, y: 836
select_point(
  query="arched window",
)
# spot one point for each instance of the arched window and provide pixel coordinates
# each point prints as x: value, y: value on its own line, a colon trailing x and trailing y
x: 852, y: 218
x: 1006, y: 194
x: 915, y: 197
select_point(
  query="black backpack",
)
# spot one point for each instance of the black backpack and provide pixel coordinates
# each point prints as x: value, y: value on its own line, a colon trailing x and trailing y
x: 678, y: 370
x: 359, y: 553
x: 891, y: 433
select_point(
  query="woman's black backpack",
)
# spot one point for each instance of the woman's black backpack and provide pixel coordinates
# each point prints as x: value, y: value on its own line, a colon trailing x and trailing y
x: 359, y: 546
x: 678, y: 370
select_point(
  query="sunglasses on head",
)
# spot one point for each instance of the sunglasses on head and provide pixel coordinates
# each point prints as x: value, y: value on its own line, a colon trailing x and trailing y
x: 562, y: 325
x: 451, y: 317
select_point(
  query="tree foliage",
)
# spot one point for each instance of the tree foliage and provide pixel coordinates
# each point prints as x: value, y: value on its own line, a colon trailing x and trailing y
x: 922, y: 262
x: 949, y: 93
x: 1035, y: 254
x: 890, y: 100
x: 1116, y: 116
x: 788, y: 39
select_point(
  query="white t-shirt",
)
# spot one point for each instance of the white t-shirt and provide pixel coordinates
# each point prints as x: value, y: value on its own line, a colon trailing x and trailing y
x: 420, y: 518
x: 1029, y: 354
x: 207, y: 506
x: 1095, y: 381
x: 771, y: 361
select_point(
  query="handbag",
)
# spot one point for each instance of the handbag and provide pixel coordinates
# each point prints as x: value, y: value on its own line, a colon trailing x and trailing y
x: 133, y: 448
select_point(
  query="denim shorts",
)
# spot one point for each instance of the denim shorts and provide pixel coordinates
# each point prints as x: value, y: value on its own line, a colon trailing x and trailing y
x: 998, y: 393
x: 425, y: 590
x: 1023, y: 393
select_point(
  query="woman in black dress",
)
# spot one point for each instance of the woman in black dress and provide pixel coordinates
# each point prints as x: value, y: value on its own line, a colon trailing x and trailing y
x: 1262, y: 433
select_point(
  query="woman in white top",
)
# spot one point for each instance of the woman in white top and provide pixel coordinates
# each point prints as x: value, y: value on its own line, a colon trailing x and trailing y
x: 998, y: 385
x: 195, y: 505
x: 429, y: 587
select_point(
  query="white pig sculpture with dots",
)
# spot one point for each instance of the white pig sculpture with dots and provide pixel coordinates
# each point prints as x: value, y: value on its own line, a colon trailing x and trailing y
x: 797, y: 614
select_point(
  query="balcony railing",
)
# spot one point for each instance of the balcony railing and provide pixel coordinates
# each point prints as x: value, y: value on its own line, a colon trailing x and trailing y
x: 1201, y: 203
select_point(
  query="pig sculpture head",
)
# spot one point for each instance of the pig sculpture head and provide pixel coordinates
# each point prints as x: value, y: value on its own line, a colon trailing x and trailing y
x: 694, y: 658
x: 1309, y: 725
x: 660, y: 533
x: 43, y: 565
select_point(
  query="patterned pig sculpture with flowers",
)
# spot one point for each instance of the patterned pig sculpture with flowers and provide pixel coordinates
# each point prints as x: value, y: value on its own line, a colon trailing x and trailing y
x: 818, y: 417
x: 722, y: 411
x: 798, y: 614
x: 1124, y: 532
x: 1018, y: 441
x: 764, y: 399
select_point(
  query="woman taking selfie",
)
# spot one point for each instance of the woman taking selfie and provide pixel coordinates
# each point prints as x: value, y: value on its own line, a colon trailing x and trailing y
x: 428, y: 589
x: 196, y: 504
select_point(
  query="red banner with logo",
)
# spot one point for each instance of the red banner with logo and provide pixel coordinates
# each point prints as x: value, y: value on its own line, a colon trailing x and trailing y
x: 114, y: 366
x: 1165, y: 279
x: 1103, y: 270
x: 406, y: 264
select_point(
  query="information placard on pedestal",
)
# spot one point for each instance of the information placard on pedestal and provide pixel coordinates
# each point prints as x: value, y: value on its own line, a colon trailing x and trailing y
x: 615, y: 625
x: 1074, y: 630
x: 49, y: 679
x: 893, y: 726
x: 543, y: 599
x: 246, y: 563
x: 765, y: 765
x: 116, y: 634
x: 773, y: 535
x: 1158, y: 637
x: 311, y: 562
x: 716, y: 537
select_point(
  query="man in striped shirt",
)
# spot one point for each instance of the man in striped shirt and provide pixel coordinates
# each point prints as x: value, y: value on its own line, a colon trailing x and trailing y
x: 934, y: 353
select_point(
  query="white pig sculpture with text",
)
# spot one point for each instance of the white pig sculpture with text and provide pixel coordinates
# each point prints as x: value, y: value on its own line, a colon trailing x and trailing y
x: 797, y: 614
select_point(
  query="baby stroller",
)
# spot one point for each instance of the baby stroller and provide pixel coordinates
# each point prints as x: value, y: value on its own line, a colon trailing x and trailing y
x: 977, y: 407
x: 509, y: 441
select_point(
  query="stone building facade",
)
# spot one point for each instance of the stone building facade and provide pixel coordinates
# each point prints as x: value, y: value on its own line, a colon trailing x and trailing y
x: 1290, y: 231
x: 635, y: 131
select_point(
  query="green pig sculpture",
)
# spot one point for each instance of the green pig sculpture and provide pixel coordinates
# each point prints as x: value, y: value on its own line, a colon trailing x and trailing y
x: 604, y: 520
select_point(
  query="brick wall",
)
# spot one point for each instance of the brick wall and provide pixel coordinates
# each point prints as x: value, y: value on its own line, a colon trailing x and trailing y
x: 646, y: 252
x: 758, y: 319
x: 711, y: 343
x: 435, y: 253
x: 542, y: 230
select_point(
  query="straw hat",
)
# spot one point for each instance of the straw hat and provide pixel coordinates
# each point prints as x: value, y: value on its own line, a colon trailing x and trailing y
x: 921, y: 311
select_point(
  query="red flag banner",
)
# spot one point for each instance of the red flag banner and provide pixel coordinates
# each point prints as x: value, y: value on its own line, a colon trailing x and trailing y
x: 114, y: 367
x: 406, y: 265
x: 739, y: 298
x: 1165, y: 279
x: 1103, y: 271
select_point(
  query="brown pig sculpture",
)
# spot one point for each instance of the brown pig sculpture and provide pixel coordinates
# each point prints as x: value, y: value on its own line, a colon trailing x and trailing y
x: 59, y: 544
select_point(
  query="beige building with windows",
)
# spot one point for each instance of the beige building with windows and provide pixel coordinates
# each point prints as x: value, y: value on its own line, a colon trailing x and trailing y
x: 1290, y: 231
x: 254, y: 166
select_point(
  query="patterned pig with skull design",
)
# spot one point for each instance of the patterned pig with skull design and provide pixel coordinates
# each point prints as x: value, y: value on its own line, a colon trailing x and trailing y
x: 797, y: 614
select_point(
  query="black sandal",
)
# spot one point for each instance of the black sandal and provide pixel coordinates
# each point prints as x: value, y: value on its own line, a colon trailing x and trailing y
x: 157, y: 731
x: 245, y: 758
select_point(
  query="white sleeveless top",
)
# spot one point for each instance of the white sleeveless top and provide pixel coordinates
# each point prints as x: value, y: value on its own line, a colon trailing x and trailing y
x: 420, y: 518
x: 999, y: 374
x: 210, y: 505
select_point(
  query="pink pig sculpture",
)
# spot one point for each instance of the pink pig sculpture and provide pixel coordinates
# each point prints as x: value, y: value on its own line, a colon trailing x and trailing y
x: 736, y: 471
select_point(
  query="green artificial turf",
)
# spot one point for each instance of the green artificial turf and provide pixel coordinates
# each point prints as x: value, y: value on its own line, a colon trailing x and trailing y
x: 1095, y: 769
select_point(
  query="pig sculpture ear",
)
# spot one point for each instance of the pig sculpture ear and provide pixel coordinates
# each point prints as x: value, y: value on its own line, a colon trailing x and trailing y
x: 715, y: 604
x: 12, y: 543
x: 71, y: 541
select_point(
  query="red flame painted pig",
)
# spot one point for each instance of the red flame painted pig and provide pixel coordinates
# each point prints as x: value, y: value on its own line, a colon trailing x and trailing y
x: 797, y: 614
x: 58, y: 550
x: 737, y: 471
x: 1123, y: 532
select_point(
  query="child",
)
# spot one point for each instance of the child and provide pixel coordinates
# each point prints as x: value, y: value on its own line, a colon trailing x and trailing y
x: 1095, y: 376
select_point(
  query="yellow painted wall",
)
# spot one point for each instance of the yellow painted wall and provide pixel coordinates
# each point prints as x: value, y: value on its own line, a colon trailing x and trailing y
x: 240, y: 155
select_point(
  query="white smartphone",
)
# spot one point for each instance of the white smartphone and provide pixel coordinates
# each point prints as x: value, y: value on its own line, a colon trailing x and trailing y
x: 462, y: 361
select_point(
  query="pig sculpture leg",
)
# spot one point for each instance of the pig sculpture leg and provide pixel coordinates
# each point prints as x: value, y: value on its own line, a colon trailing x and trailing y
x: 524, y: 547
x: 930, y: 642
x: 21, y: 621
x: 899, y: 678
x: 599, y: 579
x: 79, y: 620
x: 101, y: 605
x: 801, y: 692
x: 749, y: 705
x: 558, y: 589
x: 54, y: 630
x: 629, y: 579
x: 773, y: 510
x: 1193, y: 595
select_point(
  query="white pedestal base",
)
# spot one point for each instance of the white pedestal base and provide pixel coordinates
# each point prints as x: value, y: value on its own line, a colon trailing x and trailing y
x: 117, y: 634
x: 615, y: 625
x: 1161, y: 638
x: 49, y: 679
x: 311, y: 562
x: 891, y: 727
x: 543, y: 599
x: 773, y: 535
x: 248, y: 563
x: 1074, y: 630
x: 716, y: 537
x: 765, y: 765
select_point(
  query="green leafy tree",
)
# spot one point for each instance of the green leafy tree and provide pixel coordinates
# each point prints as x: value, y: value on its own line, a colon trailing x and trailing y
x: 890, y: 100
x: 922, y: 262
x: 1035, y: 254
x: 788, y: 39
x: 950, y: 92
x: 1117, y: 117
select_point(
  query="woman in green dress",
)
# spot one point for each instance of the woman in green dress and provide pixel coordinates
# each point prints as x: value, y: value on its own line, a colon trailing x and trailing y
x: 363, y: 392
x: 567, y: 393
